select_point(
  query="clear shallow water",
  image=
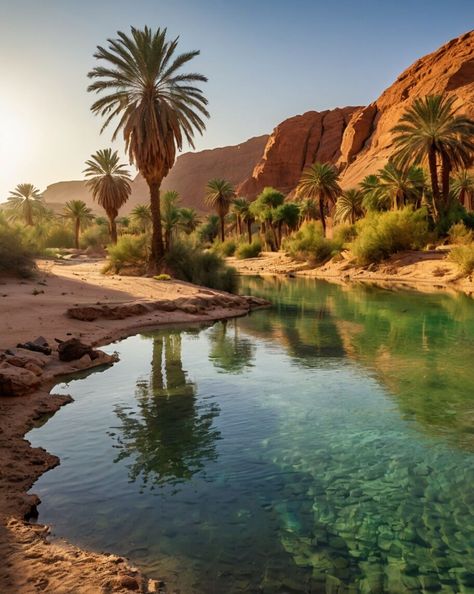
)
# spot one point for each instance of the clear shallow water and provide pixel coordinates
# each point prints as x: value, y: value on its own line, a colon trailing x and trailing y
x: 325, y: 445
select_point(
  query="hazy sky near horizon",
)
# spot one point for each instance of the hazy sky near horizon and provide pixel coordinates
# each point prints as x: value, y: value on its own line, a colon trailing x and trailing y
x: 266, y: 60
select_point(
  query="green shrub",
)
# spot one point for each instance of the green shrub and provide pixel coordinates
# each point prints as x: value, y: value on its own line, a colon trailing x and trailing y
x: 460, y: 234
x: 463, y: 256
x: 309, y: 243
x: 16, y: 256
x: 382, y: 234
x: 344, y: 233
x: 225, y: 248
x: 59, y: 237
x: 249, y: 250
x: 95, y: 237
x: 190, y: 263
x: 130, y: 250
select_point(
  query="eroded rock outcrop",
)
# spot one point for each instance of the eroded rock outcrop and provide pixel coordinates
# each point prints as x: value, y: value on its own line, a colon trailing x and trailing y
x: 296, y: 143
x: 367, y: 142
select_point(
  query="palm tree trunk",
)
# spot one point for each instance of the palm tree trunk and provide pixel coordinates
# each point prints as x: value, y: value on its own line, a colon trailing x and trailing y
x: 249, y: 230
x: 434, y: 181
x: 321, y: 214
x: 222, y: 229
x: 157, y: 248
x: 113, y: 230
x: 29, y: 214
x: 445, y: 172
x: 76, y: 233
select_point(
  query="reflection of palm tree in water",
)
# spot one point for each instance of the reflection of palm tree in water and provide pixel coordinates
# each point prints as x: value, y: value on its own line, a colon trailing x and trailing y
x: 171, y: 438
x: 232, y: 354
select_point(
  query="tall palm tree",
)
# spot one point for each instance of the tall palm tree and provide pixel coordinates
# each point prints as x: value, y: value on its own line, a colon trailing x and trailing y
x: 320, y: 182
x: 463, y: 188
x: 349, y: 206
x: 109, y: 183
x: 25, y: 201
x: 401, y: 185
x: 78, y: 212
x: 241, y: 207
x: 219, y: 196
x: 141, y: 216
x: 432, y: 130
x: 308, y: 210
x: 157, y: 106
x: 188, y: 220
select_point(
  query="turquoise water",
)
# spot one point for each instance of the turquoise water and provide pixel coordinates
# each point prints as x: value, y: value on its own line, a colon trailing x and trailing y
x: 324, y: 445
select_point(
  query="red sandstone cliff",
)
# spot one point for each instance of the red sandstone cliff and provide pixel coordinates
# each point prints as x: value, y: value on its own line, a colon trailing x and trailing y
x: 295, y: 144
x: 367, y: 141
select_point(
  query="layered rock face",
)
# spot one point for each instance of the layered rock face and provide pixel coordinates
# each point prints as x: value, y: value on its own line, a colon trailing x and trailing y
x: 296, y: 143
x: 367, y: 142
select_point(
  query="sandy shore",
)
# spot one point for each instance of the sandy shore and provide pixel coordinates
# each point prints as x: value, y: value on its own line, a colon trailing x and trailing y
x: 120, y: 306
x: 424, y: 271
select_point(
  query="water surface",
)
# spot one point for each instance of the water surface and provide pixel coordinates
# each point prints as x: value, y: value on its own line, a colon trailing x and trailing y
x: 324, y: 445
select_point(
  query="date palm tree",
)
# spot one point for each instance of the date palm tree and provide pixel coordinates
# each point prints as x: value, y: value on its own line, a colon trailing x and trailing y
x: 401, y: 185
x: 170, y: 215
x: 24, y: 202
x: 463, y: 188
x: 320, y: 182
x: 109, y: 183
x: 188, y: 220
x: 80, y: 214
x: 349, y: 206
x: 287, y: 214
x: 433, y: 131
x: 219, y: 196
x: 157, y: 106
x: 141, y: 216
x: 242, y: 209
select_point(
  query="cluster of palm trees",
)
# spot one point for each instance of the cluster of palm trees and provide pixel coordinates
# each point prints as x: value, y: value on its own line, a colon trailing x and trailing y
x: 431, y: 132
x: 156, y: 107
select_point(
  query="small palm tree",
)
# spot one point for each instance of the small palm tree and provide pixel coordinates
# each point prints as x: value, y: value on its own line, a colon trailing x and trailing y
x: 463, y: 188
x: 288, y: 215
x: 349, y: 206
x: 25, y: 201
x: 241, y: 207
x: 188, y: 220
x: 170, y: 215
x: 308, y: 210
x: 401, y: 186
x: 320, y: 182
x: 156, y: 104
x: 432, y: 131
x: 109, y: 183
x: 219, y: 196
x: 141, y: 216
x: 78, y: 212
x: 373, y: 199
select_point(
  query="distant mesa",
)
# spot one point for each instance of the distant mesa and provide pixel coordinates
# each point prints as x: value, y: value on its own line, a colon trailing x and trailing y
x: 356, y: 139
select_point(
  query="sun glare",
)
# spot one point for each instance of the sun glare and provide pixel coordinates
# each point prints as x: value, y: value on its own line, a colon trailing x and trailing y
x: 14, y: 149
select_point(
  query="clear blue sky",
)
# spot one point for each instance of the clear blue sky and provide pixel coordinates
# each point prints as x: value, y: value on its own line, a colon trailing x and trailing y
x: 266, y: 60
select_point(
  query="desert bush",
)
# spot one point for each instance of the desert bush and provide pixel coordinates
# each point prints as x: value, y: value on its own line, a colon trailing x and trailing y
x: 94, y: 237
x: 463, y: 256
x: 379, y: 235
x: 249, y: 250
x: 309, y: 243
x: 460, y: 234
x: 16, y: 255
x: 59, y: 236
x: 225, y: 248
x: 344, y: 233
x: 189, y: 262
x: 130, y: 250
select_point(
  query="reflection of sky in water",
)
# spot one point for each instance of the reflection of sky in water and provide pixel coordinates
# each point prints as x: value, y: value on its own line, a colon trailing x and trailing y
x: 321, y: 444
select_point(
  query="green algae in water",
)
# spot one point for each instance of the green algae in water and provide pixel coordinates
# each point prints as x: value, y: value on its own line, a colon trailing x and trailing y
x: 325, y: 445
